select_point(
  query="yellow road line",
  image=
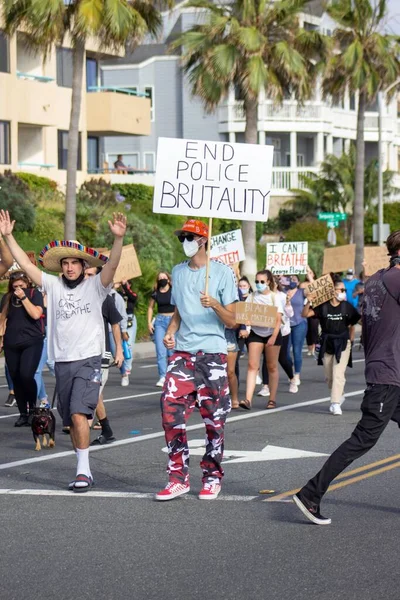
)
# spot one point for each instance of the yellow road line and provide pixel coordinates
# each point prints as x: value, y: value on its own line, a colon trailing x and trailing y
x: 344, y: 475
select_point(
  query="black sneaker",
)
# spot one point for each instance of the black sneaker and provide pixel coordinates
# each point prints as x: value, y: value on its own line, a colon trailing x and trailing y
x: 310, y: 511
x: 11, y: 401
x: 22, y: 421
x: 102, y: 440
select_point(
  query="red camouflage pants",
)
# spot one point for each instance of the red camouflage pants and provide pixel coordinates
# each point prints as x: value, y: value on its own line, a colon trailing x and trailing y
x: 195, y: 380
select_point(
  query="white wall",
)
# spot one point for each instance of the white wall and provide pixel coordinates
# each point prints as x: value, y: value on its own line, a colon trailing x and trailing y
x: 30, y: 145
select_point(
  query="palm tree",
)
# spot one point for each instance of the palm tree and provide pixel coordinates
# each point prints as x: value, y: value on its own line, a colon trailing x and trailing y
x: 115, y: 24
x: 253, y: 45
x: 333, y: 189
x: 364, y: 61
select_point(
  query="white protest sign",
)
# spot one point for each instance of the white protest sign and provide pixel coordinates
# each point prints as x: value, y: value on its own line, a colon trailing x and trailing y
x: 287, y: 258
x: 213, y: 179
x: 228, y: 247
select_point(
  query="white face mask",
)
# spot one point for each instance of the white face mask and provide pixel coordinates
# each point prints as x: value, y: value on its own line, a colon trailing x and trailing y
x: 341, y: 296
x: 349, y: 277
x: 190, y: 248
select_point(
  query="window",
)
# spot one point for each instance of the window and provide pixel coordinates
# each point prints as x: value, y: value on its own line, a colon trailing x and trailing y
x: 91, y: 73
x: 130, y: 159
x: 93, y: 154
x: 149, y: 91
x: 352, y: 102
x: 4, y: 53
x: 63, y: 150
x: 64, y: 67
x: 149, y: 161
x: 5, y: 149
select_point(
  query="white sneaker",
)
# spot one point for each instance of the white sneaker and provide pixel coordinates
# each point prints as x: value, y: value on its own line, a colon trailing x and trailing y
x: 125, y: 380
x: 264, y: 391
x: 160, y: 382
x: 296, y: 379
x: 293, y: 387
x: 258, y: 380
x: 336, y: 410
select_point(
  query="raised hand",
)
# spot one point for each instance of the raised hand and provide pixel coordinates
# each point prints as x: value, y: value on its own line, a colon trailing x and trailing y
x: 6, y: 225
x: 118, y: 225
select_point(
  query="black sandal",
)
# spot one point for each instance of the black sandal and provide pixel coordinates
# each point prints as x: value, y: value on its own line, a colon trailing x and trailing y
x: 84, y: 479
x: 245, y: 404
x: 271, y: 405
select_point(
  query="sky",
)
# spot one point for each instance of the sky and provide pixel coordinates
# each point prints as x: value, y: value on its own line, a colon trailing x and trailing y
x: 394, y: 16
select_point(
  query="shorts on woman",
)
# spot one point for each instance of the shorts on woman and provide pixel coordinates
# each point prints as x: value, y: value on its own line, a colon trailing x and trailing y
x: 253, y: 337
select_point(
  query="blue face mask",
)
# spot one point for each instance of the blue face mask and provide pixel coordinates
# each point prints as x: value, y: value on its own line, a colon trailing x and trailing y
x: 292, y: 285
x: 261, y: 287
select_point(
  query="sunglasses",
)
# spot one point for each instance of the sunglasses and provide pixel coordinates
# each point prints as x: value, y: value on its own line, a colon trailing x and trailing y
x: 185, y: 236
x: 18, y: 275
x: 340, y: 289
x: 260, y: 281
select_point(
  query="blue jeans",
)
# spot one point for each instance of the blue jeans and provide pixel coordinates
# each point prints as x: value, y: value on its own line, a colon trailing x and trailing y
x: 160, y: 328
x: 131, y: 331
x: 297, y: 336
x: 41, y: 390
x: 8, y: 377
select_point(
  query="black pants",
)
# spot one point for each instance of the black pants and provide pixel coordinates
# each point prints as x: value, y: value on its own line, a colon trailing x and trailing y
x: 283, y: 361
x: 380, y: 405
x: 22, y: 362
x: 312, y: 331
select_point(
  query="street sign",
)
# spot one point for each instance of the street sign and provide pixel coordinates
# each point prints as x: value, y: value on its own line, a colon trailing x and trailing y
x: 332, y: 216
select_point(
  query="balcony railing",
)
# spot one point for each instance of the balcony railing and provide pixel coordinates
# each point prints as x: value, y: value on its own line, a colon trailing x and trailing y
x: 36, y: 165
x: 118, y: 90
x: 33, y: 77
x: 287, y: 178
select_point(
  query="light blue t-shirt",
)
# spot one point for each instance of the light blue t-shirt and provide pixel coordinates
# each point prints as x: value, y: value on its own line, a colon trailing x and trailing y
x: 350, y: 289
x: 200, y: 328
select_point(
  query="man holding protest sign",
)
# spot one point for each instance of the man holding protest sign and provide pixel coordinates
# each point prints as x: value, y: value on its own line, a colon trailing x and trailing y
x: 337, y: 318
x: 197, y: 371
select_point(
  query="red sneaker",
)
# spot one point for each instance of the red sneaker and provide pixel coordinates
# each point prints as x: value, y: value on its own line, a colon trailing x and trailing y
x: 210, y: 491
x: 173, y: 490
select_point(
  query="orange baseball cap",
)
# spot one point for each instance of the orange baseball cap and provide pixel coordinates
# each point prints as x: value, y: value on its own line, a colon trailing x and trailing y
x: 193, y: 226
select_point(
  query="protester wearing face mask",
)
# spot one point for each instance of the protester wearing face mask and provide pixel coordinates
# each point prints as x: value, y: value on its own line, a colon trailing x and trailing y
x: 298, y: 326
x: 161, y: 297
x: 350, y: 284
x: 197, y: 370
x: 264, y: 340
x: 337, y: 318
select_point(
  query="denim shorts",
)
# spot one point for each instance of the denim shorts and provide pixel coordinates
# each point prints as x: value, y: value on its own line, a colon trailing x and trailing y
x: 231, y: 339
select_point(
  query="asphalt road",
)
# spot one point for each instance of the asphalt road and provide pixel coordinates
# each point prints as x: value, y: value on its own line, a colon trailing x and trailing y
x: 116, y: 542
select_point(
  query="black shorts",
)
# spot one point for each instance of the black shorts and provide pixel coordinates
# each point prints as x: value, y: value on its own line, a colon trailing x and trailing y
x: 253, y: 337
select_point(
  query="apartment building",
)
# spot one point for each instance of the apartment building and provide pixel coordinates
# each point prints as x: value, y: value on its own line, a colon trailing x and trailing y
x: 301, y: 135
x: 35, y: 105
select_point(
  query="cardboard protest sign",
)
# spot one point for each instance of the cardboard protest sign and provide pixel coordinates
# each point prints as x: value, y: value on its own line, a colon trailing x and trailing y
x: 128, y: 267
x: 339, y: 259
x: 320, y: 290
x: 376, y: 258
x: 213, y: 179
x: 228, y: 247
x: 250, y: 313
x: 287, y: 258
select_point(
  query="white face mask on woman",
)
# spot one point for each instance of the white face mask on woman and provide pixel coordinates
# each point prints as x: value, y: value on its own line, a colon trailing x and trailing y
x: 341, y: 296
x: 190, y: 248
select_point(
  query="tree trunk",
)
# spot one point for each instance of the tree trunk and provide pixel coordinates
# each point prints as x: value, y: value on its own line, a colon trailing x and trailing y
x: 358, y: 215
x: 249, y: 265
x: 73, y: 140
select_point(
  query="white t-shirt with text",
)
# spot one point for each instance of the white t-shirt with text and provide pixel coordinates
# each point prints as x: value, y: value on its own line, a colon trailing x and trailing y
x: 75, y: 326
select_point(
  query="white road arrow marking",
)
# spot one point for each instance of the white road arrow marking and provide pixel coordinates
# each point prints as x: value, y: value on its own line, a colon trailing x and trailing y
x: 197, y: 448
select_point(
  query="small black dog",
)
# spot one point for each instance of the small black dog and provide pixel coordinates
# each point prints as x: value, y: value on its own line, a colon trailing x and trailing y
x: 43, y: 423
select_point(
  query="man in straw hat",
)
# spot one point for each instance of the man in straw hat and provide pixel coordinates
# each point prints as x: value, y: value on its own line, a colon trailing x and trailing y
x: 75, y: 326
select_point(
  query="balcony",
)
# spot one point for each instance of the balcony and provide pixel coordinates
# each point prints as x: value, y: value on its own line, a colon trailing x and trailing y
x: 117, y: 111
x: 43, y: 104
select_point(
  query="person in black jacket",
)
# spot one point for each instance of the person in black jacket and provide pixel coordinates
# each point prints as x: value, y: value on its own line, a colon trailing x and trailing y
x: 21, y: 311
x: 131, y: 299
x: 337, y: 318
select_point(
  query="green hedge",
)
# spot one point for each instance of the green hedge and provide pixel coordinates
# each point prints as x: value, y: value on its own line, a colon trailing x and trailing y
x: 35, y: 182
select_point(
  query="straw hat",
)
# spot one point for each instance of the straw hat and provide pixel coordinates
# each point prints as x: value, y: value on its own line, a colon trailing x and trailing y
x: 55, y: 251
